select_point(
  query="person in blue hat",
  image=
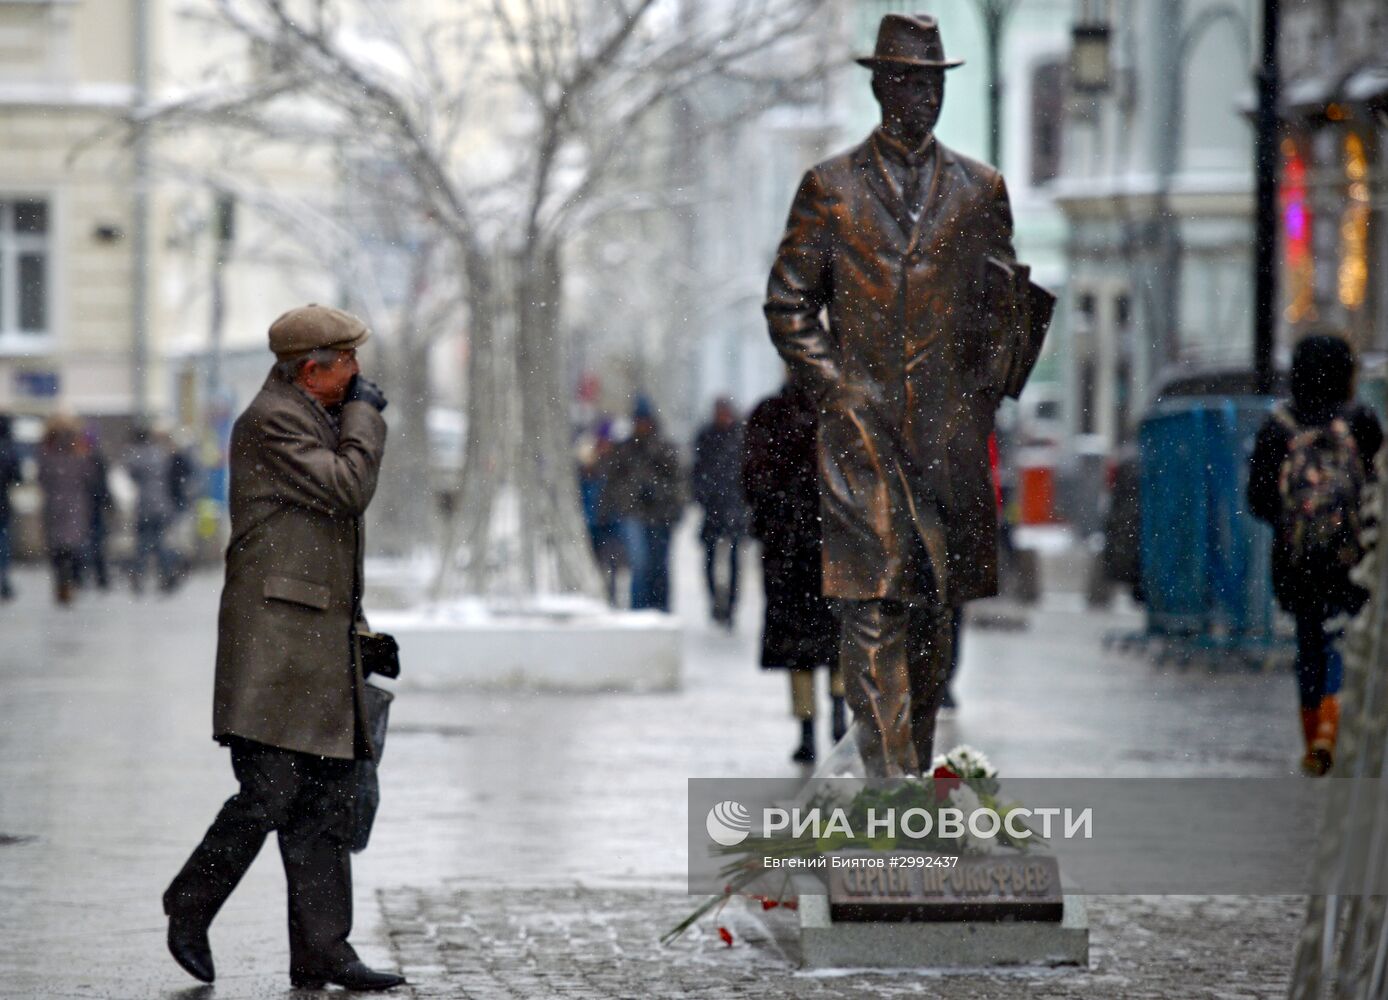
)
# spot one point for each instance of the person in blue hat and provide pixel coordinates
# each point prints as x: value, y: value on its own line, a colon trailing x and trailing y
x: 645, y: 489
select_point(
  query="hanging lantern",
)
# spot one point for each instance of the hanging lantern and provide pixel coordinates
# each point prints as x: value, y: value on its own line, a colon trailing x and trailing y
x: 1089, y: 58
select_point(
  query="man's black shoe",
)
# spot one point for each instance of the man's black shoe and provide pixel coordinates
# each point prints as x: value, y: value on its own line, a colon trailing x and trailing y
x: 352, y: 976
x: 188, y: 945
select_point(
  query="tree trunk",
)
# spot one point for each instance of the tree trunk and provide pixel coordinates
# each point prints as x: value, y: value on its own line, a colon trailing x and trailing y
x: 561, y: 555
x: 517, y: 526
x: 403, y: 513
x: 466, y: 552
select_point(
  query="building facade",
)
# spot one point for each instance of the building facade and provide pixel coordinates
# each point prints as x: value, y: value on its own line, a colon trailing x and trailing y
x: 1156, y: 187
x: 1334, y: 183
x: 1157, y: 190
x: 122, y: 267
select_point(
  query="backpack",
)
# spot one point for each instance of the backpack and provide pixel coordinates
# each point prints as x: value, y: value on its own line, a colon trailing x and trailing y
x: 1319, y: 483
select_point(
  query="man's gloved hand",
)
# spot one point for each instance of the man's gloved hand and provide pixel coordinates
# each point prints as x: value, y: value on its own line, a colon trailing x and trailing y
x: 366, y: 391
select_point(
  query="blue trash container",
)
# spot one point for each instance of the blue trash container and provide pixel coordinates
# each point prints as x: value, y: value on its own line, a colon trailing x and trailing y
x: 1205, y: 559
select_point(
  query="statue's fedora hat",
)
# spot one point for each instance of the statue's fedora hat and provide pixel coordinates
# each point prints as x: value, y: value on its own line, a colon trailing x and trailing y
x: 909, y: 40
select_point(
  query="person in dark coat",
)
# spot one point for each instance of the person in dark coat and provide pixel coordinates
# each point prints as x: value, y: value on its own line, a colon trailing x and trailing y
x: 716, y: 481
x: 645, y: 489
x: 289, y: 699
x: 103, y: 505
x: 66, y: 474
x: 780, y: 480
x: 11, y: 473
x: 148, y: 464
x: 604, y: 527
x: 1322, y: 385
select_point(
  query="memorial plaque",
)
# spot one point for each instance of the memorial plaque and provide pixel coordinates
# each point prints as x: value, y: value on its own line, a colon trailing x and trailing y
x: 911, y: 886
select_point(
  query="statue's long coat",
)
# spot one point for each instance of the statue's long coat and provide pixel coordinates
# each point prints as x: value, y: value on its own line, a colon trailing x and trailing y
x: 916, y: 356
x: 288, y: 665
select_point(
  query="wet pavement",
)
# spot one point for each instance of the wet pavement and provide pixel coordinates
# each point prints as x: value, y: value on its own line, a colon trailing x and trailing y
x: 533, y: 845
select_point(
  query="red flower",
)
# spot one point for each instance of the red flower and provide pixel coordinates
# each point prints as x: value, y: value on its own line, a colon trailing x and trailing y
x: 946, y: 781
x: 726, y: 935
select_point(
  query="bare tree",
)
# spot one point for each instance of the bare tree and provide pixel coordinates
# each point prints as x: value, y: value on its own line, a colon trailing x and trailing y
x: 392, y: 271
x: 505, y: 121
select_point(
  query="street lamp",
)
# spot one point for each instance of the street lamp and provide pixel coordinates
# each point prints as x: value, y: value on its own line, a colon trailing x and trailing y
x: 995, y: 14
x: 1265, y: 199
x: 1089, y: 58
x: 223, y: 233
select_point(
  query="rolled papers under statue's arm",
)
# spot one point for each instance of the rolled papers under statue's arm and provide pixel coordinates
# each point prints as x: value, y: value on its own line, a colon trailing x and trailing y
x: 1015, y: 311
x: 1034, y: 319
x: 1020, y: 313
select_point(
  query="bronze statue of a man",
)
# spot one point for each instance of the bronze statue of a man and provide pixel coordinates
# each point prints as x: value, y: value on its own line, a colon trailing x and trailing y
x: 907, y: 246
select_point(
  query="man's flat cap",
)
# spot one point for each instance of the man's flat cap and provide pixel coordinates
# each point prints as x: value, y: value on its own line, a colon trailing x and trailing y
x: 310, y: 327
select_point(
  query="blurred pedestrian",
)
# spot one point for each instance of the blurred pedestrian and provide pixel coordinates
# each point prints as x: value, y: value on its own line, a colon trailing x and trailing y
x: 183, y: 476
x: 1310, y: 460
x: 147, y: 462
x: 948, y: 702
x: 644, y: 489
x: 10, y: 474
x: 184, y: 480
x: 305, y: 456
x: 717, y: 488
x: 103, y: 505
x: 66, y: 471
x: 780, y: 479
x: 604, y: 526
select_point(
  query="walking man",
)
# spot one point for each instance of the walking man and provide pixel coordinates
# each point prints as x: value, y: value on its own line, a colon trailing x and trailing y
x: 148, y: 465
x: 717, y: 488
x: 645, y: 489
x: 931, y: 321
x: 288, y: 700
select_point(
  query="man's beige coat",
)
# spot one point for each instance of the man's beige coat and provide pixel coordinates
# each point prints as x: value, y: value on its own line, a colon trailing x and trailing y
x: 288, y: 667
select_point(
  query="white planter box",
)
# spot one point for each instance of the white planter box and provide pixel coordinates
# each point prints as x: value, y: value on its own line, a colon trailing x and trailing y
x: 601, y: 651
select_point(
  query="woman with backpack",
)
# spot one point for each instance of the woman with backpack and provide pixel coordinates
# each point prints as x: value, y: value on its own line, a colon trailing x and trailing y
x: 1311, y: 458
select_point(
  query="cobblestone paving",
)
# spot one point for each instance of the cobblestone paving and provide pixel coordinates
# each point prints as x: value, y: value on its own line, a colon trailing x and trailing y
x: 578, y: 943
x: 108, y: 777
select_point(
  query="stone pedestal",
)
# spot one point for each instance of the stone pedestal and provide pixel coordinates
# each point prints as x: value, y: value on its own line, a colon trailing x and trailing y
x: 829, y: 944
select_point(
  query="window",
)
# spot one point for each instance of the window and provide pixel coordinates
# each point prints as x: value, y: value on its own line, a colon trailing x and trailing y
x: 24, y: 252
x: 1047, y: 111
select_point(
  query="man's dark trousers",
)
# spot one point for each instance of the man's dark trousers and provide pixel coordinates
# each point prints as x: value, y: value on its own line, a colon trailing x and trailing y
x: 307, y: 800
x: 722, y: 599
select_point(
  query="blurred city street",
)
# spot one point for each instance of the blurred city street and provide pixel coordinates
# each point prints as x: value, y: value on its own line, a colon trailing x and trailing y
x: 1107, y: 314
x: 533, y: 845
